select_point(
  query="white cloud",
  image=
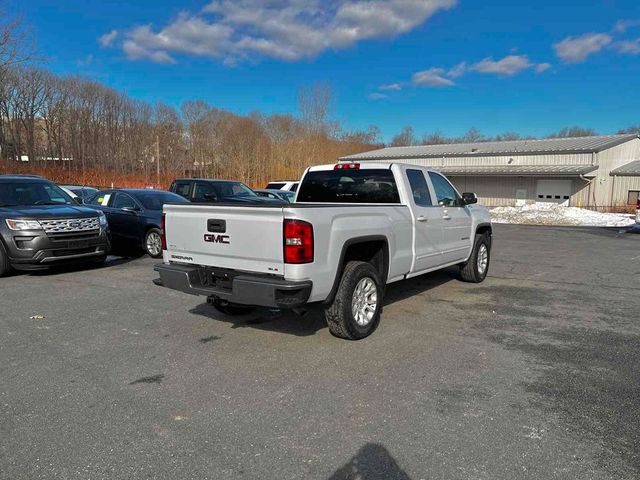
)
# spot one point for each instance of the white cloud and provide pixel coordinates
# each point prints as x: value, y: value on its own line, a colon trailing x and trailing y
x: 507, y: 66
x: 433, y: 77
x: 577, y: 49
x: 107, y: 39
x: 621, y: 26
x: 391, y: 86
x: 457, y: 71
x: 542, y: 67
x: 377, y: 96
x: 86, y: 61
x: 628, y: 47
x: 235, y: 30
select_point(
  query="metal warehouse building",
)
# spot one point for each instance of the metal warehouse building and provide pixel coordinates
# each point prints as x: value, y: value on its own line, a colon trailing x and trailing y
x: 599, y: 172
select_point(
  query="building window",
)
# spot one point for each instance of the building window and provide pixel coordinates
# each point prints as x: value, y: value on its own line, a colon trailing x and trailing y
x: 633, y: 197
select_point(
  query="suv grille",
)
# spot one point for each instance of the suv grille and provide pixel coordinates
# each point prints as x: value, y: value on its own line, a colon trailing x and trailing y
x: 72, y: 225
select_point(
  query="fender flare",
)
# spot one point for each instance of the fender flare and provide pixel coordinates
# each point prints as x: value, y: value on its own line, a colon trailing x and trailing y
x: 340, y: 267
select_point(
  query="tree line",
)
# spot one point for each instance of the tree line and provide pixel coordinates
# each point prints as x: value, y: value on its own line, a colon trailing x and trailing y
x: 75, y: 129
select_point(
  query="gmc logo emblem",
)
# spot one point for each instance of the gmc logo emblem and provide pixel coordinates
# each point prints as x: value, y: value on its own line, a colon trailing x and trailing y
x: 213, y: 238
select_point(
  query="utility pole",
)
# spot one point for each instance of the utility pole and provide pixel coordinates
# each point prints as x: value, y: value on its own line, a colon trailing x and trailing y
x: 158, y: 160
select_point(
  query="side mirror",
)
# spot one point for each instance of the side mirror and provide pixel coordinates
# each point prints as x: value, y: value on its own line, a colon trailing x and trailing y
x: 79, y: 200
x: 468, y: 198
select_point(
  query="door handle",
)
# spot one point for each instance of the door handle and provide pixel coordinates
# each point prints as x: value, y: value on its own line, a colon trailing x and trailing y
x: 422, y: 218
x: 445, y: 215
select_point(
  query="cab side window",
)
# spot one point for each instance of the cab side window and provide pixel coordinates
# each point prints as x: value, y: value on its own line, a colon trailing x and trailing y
x: 182, y: 189
x: 204, y: 193
x: 445, y: 193
x: 419, y: 188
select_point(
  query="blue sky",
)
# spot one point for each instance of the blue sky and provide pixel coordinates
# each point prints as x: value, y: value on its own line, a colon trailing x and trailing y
x: 530, y: 67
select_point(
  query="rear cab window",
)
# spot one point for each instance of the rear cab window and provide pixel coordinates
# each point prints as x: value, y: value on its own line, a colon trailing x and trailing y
x: 368, y: 185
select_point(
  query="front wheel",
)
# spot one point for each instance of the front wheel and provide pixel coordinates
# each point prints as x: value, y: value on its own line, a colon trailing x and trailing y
x: 5, y: 266
x: 153, y: 243
x: 476, y: 268
x: 356, y: 308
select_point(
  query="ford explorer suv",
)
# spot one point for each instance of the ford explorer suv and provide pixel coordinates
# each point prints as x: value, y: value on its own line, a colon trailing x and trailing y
x: 42, y: 226
x: 204, y: 190
x: 354, y: 228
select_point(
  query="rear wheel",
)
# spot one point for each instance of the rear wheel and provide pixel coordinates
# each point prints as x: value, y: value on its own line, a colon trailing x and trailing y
x: 356, y: 308
x: 476, y: 268
x: 153, y: 243
x: 231, y: 308
x: 5, y: 267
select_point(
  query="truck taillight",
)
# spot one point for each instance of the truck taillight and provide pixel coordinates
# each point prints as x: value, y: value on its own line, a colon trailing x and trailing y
x: 347, y: 166
x: 298, y: 241
x: 163, y: 236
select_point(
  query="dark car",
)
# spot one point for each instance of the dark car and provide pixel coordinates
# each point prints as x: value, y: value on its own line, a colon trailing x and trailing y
x: 83, y: 193
x: 134, y: 216
x: 42, y: 226
x: 286, y: 195
x: 202, y: 190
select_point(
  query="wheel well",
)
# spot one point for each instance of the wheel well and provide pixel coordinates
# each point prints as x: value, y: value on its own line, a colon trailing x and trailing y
x: 482, y: 229
x: 372, y: 250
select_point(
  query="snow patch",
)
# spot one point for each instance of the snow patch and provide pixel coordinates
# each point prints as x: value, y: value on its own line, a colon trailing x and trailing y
x: 554, y: 214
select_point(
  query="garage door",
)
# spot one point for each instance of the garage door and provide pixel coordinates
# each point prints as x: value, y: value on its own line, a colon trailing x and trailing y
x: 556, y: 191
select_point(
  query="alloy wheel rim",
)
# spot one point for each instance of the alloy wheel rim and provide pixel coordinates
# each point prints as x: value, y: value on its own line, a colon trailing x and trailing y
x: 364, y: 301
x: 153, y: 243
x: 483, y: 259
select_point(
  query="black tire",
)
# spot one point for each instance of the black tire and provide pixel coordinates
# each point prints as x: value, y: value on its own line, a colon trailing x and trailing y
x: 154, y: 251
x: 470, y: 271
x: 5, y: 266
x: 231, y: 309
x: 339, y: 315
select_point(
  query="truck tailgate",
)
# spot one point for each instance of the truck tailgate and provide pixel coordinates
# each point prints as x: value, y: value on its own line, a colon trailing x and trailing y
x: 237, y: 237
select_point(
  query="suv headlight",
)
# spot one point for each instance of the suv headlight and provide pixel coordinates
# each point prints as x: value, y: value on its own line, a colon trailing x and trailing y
x: 23, y: 224
x: 103, y: 219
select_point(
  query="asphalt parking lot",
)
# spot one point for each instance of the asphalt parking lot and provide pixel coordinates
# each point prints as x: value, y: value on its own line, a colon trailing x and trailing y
x: 533, y: 374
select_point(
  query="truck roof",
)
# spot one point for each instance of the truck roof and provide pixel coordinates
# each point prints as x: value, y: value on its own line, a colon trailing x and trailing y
x: 363, y: 166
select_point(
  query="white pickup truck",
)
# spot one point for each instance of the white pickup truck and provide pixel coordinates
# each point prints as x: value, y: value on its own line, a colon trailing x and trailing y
x: 354, y: 228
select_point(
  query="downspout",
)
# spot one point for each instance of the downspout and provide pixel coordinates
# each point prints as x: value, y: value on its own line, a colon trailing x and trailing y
x: 589, y: 182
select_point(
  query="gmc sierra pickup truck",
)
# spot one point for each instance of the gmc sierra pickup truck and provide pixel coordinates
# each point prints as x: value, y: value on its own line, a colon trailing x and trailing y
x: 354, y: 228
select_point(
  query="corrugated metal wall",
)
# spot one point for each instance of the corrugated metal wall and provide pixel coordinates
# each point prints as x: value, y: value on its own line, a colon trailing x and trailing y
x: 602, y: 191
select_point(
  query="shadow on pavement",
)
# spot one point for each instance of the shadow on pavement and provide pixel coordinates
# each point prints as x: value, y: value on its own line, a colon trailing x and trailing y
x: 372, y: 462
x: 309, y: 324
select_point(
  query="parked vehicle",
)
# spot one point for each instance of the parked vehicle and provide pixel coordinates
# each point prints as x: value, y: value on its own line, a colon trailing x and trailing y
x: 134, y: 216
x: 42, y: 226
x: 202, y: 190
x: 79, y: 192
x: 283, y: 185
x: 386, y: 222
x: 638, y: 211
x: 284, y: 195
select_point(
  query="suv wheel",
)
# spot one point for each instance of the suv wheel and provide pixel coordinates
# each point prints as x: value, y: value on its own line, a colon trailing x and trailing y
x: 153, y: 243
x: 5, y: 267
x: 476, y: 268
x: 356, y: 308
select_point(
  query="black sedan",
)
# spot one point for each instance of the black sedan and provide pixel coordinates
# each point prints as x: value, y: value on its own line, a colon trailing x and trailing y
x: 134, y: 216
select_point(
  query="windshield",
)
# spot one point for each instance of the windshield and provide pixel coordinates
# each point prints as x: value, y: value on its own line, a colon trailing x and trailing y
x: 233, y: 189
x: 20, y: 193
x: 155, y: 200
x: 349, y: 186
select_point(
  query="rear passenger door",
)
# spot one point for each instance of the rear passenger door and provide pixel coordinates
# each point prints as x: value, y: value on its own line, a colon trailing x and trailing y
x: 427, y: 236
x: 456, y: 220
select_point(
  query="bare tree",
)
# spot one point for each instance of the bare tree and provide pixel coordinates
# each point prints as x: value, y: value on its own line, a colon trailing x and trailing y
x: 405, y: 138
